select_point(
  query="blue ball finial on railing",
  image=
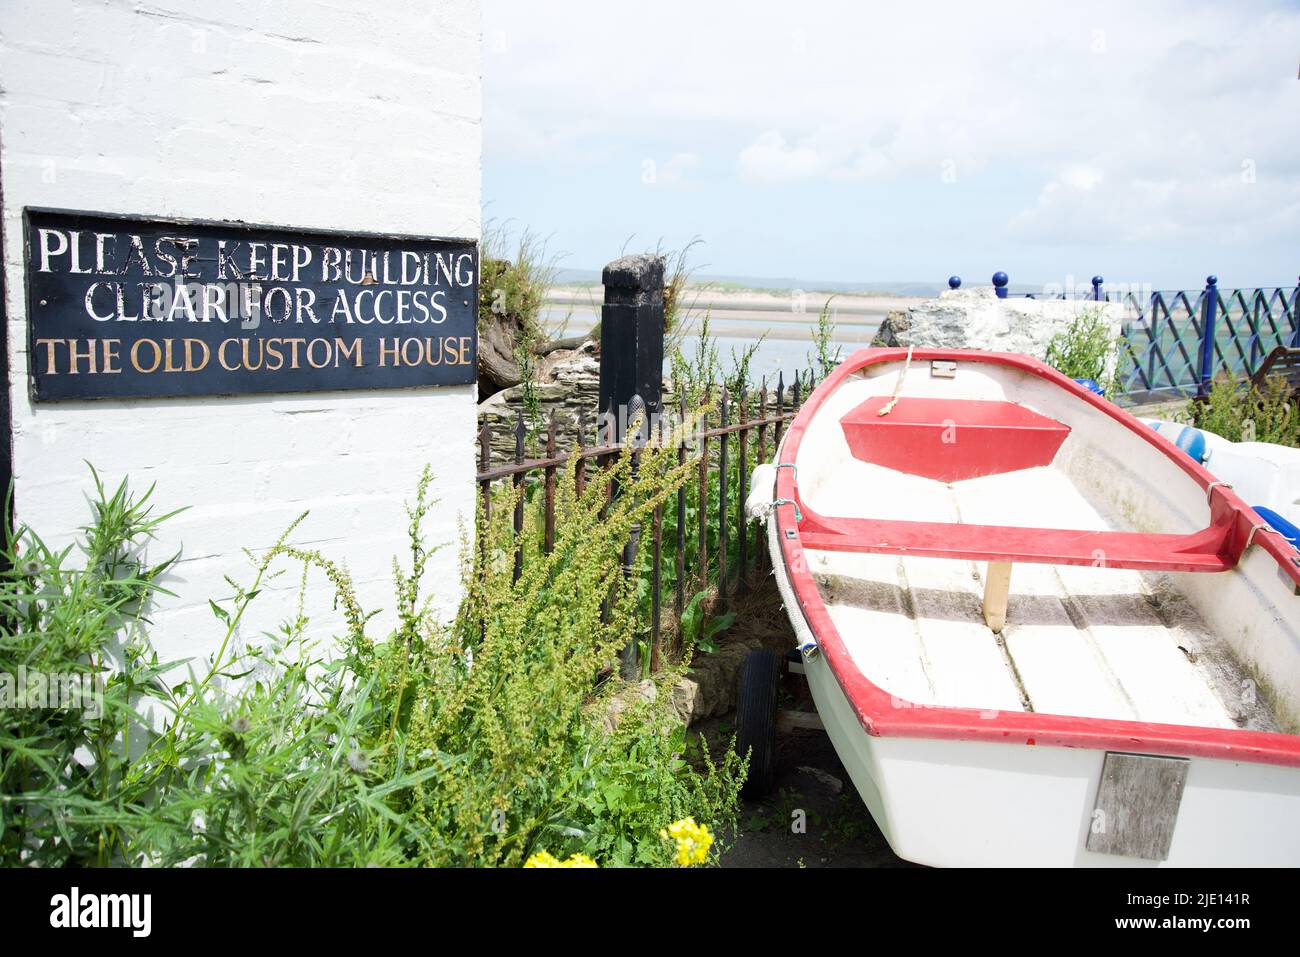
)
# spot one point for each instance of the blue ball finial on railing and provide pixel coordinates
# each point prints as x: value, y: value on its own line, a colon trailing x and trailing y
x: 1000, y: 281
x: 1096, y: 287
x: 954, y: 282
x: 1211, y: 280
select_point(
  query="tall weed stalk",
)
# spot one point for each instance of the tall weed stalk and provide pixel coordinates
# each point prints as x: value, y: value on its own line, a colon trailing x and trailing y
x: 473, y: 741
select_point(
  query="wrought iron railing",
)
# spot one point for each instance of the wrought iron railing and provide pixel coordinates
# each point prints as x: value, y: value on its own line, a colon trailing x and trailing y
x: 700, y: 542
x: 1166, y: 349
x: 1175, y: 342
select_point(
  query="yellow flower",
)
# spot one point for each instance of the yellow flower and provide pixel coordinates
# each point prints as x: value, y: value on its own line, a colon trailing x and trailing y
x: 546, y: 859
x: 693, y: 841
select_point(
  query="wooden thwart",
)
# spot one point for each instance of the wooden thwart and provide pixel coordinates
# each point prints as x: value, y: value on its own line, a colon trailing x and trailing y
x: 997, y: 585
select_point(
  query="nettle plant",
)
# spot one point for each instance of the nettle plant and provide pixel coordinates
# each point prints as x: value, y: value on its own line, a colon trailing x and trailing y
x: 477, y: 741
x: 62, y: 769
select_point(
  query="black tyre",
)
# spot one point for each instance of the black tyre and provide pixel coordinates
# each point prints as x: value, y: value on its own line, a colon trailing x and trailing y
x: 760, y: 680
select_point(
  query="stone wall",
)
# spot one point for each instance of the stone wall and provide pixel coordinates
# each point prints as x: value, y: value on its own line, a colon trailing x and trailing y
x: 977, y: 319
x: 568, y: 383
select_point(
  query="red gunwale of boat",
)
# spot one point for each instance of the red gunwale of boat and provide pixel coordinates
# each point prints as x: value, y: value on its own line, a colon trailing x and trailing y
x: 885, y: 715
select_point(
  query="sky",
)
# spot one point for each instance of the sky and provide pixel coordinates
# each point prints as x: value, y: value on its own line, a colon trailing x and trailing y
x: 1150, y: 142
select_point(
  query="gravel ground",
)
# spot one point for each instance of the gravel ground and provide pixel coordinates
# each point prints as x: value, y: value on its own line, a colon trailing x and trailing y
x: 812, y: 818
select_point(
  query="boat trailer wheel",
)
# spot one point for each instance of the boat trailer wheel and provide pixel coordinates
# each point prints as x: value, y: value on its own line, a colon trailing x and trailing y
x: 760, y: 681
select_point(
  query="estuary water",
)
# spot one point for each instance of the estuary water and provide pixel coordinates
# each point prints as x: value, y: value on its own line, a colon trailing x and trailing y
x: 784, y: 349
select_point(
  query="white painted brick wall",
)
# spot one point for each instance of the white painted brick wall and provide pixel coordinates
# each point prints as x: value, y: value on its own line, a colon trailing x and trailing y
x: 326, y: 114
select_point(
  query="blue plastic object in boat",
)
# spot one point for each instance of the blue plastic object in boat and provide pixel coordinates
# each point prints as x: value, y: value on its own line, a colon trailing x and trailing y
x: 1279, y: 524
x: 1192, y: 441
x: 1189, y: 439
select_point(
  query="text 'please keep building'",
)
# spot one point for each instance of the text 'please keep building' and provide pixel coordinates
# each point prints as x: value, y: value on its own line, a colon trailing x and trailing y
x: 123, y: 307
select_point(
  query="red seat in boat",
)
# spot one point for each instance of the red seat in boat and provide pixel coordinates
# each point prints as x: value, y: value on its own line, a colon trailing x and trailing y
x: 957, y: 439
x: 951, y: 440
x: 1213, y: 549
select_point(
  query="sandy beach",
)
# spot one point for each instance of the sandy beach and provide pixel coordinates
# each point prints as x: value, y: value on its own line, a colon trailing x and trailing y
x: 746, y: 313
x: 781, y: 322
x: 771, y: 305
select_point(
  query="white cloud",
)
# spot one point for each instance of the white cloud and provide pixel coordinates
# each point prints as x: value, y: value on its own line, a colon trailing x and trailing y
x: 1081, y: 177
x: 1110, y: 118
x: 1213, y: 210
x: 675, y: 174
x: 770, y: 159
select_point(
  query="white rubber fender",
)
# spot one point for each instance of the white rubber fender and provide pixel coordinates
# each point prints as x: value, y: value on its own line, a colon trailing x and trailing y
x: 762, y: 489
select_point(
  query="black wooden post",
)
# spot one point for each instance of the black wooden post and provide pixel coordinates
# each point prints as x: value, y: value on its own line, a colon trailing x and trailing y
x: 632, y: 367
x: 632, y: 337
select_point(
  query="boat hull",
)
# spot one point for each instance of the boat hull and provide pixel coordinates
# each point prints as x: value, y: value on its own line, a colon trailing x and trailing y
x: 953, y: 803
x: 974, y: 803
x: 1195, y: 636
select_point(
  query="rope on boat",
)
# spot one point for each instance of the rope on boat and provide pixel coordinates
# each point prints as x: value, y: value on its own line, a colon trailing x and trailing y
x: 803, y: 634
x: 1209, y: 489
x: 888, y: 407
x: 1257, y: 528
x: 761, y: 501
x: 798, y: 515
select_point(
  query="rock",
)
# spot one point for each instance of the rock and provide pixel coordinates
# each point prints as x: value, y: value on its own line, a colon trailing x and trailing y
x: 568, y: 382
x: 640, y: 693
x: 977, y: 319
x: 572, y: 368
x: 710, y: 688
x: 686, y: 696
x: 824, y: 778
x: 893, y: 331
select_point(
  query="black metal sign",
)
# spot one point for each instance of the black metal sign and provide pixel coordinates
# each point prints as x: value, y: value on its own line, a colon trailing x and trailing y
x: 120, y: 307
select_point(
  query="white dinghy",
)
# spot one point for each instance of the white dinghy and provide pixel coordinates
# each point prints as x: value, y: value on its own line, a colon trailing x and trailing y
x: 1036, y: 632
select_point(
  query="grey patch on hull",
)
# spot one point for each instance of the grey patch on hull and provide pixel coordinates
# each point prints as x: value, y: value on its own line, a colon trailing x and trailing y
x: 1137, y: 805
